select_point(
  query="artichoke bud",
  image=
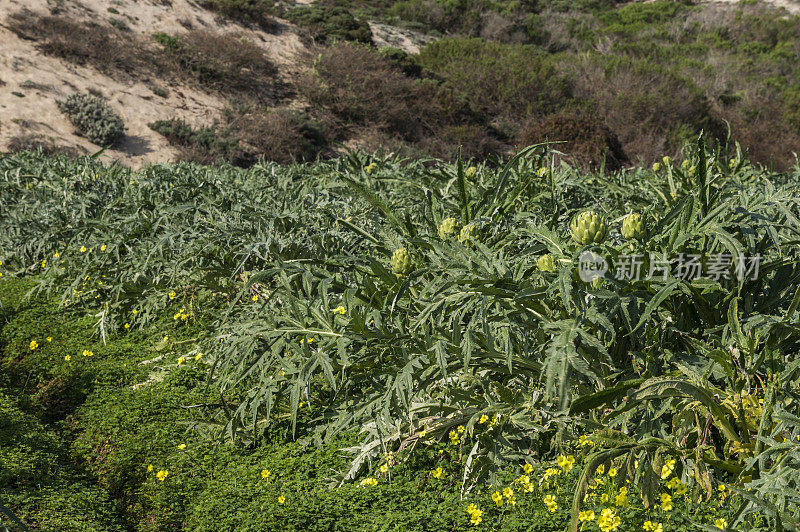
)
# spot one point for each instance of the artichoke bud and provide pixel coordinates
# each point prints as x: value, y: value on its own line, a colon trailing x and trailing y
x: 633, y: 226
x: 447, y: 228
x: 588, y: 227
x: 401, y: 262
x: 546, y: 263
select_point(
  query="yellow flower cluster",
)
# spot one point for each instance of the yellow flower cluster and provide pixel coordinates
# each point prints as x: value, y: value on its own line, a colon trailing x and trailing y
x: 565, y: 462
x: 550, y: 472
x: 586, y: 515
x: 608, y: 520
x: 308, y: 341
x: 34, y: 344
x: 474, y: 514
x: 456, y: 435
x: 180, y: 315
x: 339, y: 310
x: 653, y: 527
x: 87, y: 353
x: 369, y: 481
x: 437, y: 473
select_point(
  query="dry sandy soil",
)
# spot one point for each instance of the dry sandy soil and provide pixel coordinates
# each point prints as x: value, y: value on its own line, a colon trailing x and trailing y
x: 31, y: 82
x: 791, y: 6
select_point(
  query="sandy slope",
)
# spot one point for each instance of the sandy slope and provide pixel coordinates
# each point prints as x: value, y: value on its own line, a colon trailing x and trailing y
x: 791, y: 6
x: 42, y: 79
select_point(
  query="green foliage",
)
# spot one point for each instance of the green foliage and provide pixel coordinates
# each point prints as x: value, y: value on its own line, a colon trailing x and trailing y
x: 502, y: 80
x: 330, y: 23
x: 245, y: 11
x: 217, y: 144
x: 93, y: 118
x: 282, y: 278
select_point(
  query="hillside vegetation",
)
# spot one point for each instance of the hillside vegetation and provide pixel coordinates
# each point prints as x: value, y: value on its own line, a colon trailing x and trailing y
x: 616, y: 83
x: 190, y: 347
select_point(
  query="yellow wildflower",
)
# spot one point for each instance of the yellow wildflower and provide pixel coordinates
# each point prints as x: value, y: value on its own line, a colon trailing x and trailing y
x: 281, y: 499
x: 83, y: 249
x: 497, y: 497
x: 87, y: 353
x: 172, y: 294
x: 550, y: 502
x: 474, y: 514
x: 103, y: 247
x: 34, y: 344
x: 370, y: 481
x: 339, y: 310
x: 587, y: 515
x: 68, y: 358
x: 264, y: 473
x: 437, y: 473
x: 667, y: 469
x: 622, y: 497
x: 527, y: 468
x: 150, y: 468
x: 161, y: 475
x: 721, y: 523
x: 666, y: 502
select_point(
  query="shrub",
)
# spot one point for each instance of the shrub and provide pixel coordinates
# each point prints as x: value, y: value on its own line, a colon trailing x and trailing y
x: 651, y: 109
x: 407, y: 63
x: 360, y: 88
x: 93, y: 117
x: 279, y: 135
x: 508, y: 81
x: 256, y: 12
x: 83, y: 42
x: 330, y: 23
x: 204, y: 145
x: 588, y: 141
x: 223, y: 62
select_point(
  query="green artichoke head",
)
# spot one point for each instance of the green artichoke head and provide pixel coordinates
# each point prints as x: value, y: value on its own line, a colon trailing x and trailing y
x: 546, y: 263
x: 633, y: 226
x: 401, y: 262
x: 447, y: 228
x: 588, y: 227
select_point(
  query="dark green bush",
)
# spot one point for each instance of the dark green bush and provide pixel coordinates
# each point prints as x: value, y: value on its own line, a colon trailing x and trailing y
x: 207, y: 144
x: 330, y: 23
x: 93, y: 117
x: 509, y: 81
x: 257, y: 12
